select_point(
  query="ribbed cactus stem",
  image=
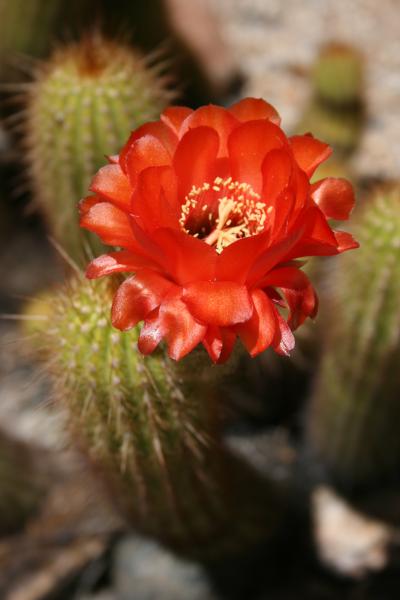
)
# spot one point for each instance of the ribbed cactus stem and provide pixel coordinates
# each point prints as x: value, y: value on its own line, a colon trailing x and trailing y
x: 152, y: 427
x: 80, y: 107
x: 355, y: 414
x: 21, y: 484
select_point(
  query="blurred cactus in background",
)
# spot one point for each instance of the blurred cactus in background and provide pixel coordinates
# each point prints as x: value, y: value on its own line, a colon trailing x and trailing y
x: 336, y: 112
x: 79, y: 108
x: 355, y: 413
x: 338, y: 76
x: 152, y: 427
x: 26, y: 29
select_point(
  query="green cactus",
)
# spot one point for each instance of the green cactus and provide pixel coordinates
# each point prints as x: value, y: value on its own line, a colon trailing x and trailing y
x: 355, y: 412
x: 151, y: 426
x: 22, y: 484
x: 80, y: 107
x: 335, y: 113
x: 341, y: 128
x: 337, y: 75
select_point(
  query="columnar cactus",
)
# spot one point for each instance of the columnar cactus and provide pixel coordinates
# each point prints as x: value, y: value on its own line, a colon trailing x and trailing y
x: 151, y: 426
x: 336, y: 110
x: 79, y: 108
x: 338, y: 75
x: 354, y: 419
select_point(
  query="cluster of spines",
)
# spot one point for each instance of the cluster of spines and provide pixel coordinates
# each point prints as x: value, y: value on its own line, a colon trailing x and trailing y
x: 355, y: 411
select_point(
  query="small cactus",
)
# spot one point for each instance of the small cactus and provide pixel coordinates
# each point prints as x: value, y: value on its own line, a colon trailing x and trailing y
x: 355, y: 413
x: 152, y: 427
x: 336, y: 112
x: 79, y: 108
x: 338, y: 75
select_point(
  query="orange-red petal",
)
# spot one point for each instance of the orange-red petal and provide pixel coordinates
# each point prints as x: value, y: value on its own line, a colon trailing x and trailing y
x: 334, y: 196
x: 137, y: 297
x: 253, y: 109
x: 216, y: 117
x: 234, y: 263
x: 118, y: 262
x: 145, y: 152
x: 276, y: 169
x: 186, y: 258
x: 194, y: 158
x: 259, y: 331
x: 284, y: 341
x: 219, y: 343
x: 175, y: 324
x: 174, y: 117
x: 309, y: 152
x: 155, y: 129
x: 111, y: 224
x: 300, y: 294
x: 220, y: 303
x: 154, y: 202
x: 111, y: 183
x: 248, y: 145
x: 345, y: 241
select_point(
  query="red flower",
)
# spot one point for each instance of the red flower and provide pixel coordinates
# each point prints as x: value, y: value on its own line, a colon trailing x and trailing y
x: 211, y: 208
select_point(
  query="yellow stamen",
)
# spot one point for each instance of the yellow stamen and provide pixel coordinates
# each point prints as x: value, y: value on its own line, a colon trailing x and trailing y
x: 236, y: 214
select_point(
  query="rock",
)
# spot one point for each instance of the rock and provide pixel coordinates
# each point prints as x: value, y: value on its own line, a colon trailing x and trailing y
x: 348, y: 542
x: 144, y: 570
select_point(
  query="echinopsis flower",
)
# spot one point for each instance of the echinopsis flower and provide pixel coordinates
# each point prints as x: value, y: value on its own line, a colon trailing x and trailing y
x: 212, y: 208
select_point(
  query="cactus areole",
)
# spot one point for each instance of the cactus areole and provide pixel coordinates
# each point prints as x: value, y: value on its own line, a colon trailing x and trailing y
x: 212, y: 208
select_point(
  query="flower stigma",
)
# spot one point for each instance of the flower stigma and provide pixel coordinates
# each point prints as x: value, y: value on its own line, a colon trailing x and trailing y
x: 223, y: 212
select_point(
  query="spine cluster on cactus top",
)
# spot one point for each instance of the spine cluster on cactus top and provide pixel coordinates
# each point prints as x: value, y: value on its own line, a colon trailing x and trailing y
x: 79, y: 108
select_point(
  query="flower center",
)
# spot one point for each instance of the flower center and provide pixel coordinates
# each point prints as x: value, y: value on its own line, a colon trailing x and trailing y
x: 223, y: 212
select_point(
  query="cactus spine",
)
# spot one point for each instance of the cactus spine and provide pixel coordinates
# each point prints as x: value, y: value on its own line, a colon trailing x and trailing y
x: 354, y: 419
x: 151, y: 426
x: 79, y: 108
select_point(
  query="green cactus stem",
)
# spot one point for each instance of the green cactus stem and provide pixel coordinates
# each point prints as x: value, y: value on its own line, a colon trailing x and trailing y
x: 336, y: 113
x: 338, y: 75
x: 151, y: 426
x: 355, y: 412
x: 22, y: 484
x: 80, y: 107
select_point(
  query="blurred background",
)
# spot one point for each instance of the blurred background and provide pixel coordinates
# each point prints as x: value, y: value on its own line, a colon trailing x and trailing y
x: 324, y: 425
